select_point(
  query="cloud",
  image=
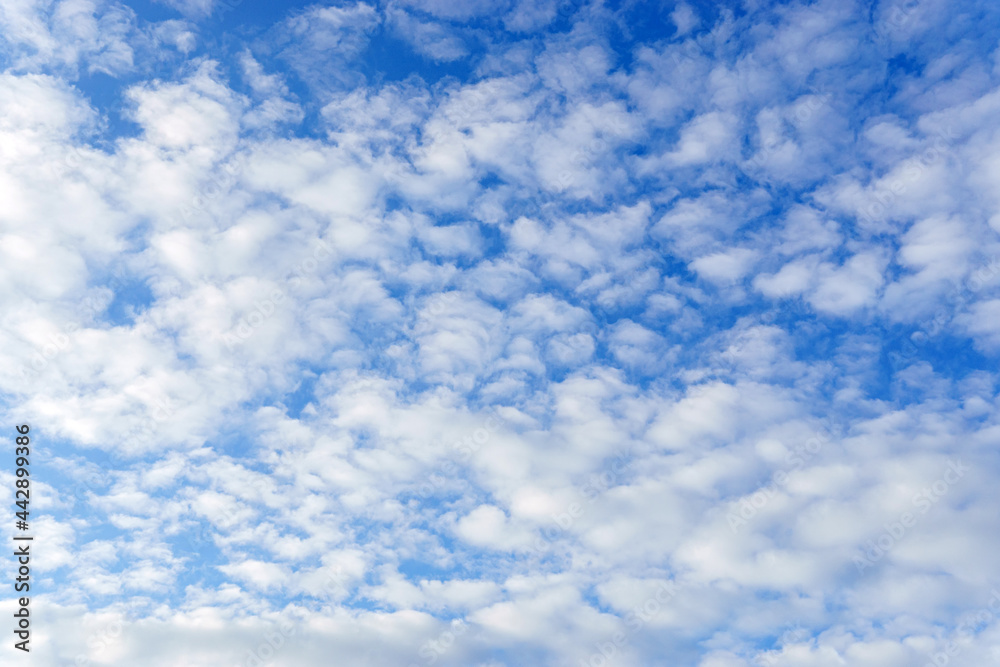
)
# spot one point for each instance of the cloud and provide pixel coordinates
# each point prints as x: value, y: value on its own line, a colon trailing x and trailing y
x: 451, y: 333
x: 429, y: 38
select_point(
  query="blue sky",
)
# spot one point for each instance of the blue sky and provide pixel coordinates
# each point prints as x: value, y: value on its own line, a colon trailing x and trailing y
x: 504, y: 333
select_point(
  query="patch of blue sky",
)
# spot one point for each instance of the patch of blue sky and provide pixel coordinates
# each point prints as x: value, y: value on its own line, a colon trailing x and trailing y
x: 389, y: 58
x: 303, y: 394
x: 417, y: 570
x: 131, y: 298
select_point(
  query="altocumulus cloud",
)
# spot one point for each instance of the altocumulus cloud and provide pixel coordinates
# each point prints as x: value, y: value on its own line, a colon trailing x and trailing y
x: 497, y: 333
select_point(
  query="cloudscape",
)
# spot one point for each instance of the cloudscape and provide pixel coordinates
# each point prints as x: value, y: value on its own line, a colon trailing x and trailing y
x: 500, y: 333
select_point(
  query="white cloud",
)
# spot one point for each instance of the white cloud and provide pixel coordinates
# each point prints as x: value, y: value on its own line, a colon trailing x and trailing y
x: 318, y: 344
x: 684, y: 18
x: 724, y: 266
x: 429, y: 38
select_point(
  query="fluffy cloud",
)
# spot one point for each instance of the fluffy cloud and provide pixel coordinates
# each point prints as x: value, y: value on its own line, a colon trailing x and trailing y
x: 494, y: 334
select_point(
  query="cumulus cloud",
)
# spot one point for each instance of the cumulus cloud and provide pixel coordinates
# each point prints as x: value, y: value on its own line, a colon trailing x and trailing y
x: 491, y: 334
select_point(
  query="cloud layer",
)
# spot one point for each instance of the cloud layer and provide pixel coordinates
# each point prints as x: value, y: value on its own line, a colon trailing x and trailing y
x: 505, y: 333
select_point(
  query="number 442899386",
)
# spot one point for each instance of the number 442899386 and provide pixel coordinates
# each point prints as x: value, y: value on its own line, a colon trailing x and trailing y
x: 23, y: 493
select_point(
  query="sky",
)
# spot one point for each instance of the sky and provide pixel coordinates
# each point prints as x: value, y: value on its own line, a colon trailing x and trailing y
x: 496, y: 333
